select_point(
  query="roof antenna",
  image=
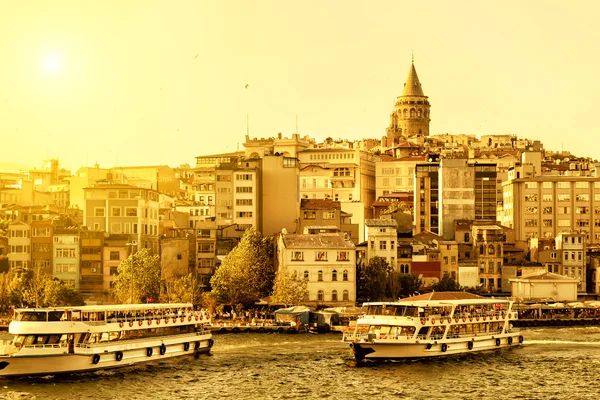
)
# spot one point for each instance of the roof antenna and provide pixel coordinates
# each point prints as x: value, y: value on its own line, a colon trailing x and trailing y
x: 413, y: 56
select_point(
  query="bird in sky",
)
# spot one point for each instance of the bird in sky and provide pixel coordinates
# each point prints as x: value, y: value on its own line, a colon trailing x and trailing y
x: 246, y: 86
x: 196, y: 56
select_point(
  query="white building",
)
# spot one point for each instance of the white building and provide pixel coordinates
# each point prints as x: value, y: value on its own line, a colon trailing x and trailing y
x: 328, y: 262
x: 381, y: 237
x: 19, y: 244
x: 543, y: 285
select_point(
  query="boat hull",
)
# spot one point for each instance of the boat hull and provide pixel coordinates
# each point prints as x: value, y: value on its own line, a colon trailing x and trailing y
x: 396, y: 350
x: 103, y: 357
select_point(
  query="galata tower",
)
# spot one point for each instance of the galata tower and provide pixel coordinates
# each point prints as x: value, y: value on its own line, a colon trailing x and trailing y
x: 410, y: 116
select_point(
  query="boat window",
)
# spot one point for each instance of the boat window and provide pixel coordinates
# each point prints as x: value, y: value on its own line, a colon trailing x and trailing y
x: 63, y: 339
x: 55, y: 315
x: 29, y: 340
x: 423, y: 331
x: 53, y: 339
x: 31, y: 316
x: 40, y: 339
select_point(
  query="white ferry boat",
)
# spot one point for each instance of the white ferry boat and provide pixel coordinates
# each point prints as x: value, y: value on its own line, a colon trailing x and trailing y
x: 60, y: 340
x: 431, y: 325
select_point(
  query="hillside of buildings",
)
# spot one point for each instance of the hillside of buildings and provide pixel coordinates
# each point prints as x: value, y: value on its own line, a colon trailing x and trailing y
x: 486, y: 211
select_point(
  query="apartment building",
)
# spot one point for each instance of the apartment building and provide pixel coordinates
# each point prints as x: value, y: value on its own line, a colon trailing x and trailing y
x: 573, y: 246
x: 382, y: 239
x: 19, y: 243
x: 328, y: 263
x: 41, y: 245
x: 66, y: 254
x: 396, y: 175
x: 488, y: 241
x: 544, y: 206
x: 124, y: 209
x: 91, y: 263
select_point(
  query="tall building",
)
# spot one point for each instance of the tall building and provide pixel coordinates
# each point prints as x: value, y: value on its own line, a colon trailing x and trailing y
x: 426, y: 205
x: 124, y: 209
x: 543, y: 206
x: 410, y: 116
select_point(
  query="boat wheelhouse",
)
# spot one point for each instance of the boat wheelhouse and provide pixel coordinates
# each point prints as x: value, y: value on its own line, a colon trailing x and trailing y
x: 57, y: 340
x: 431, y: 325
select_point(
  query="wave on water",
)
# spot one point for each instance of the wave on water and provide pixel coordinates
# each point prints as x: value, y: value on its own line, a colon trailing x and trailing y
x: 567, y: 342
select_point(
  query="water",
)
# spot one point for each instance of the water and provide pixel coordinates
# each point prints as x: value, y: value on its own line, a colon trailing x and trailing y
x: 554, y: 363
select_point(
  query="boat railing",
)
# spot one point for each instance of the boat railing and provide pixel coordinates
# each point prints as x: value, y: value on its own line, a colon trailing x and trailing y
x: 134, y: 340
x: 45, y: 346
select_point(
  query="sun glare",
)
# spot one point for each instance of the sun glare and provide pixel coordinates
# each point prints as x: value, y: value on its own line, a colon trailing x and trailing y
x: 52, y: 63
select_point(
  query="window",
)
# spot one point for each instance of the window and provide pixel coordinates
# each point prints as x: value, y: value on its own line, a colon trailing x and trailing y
x: 345, y: 275
x: 334, y: 295
x: 392, y: 244
x: 98, y: 212
x: 383, y: 245
x: 243, y: 189
x: 115, y: 255
x: 306, y: 275
x: 320, y: 295
x: 343, y: 256
x: 131, y: 212
x: 321, y: 256
x: 310, y: 215
x: 531, y: 197
x: 564, y: 185
x: 116, y: 211
x: 334, y: 275
x: 453, y: 260
x: 345, y: 296
x: 114, y: 270
x: 547, y: 198
x: 243, y: 214
x: 297, y: 256
x: 320, y: 276
x: 65, y: 253
x: 243, y: 177
x: 404, y: 269
x: 328, y: 214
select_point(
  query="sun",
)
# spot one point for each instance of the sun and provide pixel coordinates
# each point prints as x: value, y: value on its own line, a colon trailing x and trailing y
x: 52, y: 63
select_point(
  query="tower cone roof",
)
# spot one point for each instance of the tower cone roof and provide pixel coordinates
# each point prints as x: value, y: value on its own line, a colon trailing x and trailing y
x: 412, y: 87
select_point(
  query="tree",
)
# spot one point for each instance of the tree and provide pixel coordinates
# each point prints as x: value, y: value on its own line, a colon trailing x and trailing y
x: 398, y: 206
x: 247, y: 272
x: 138, y: 278
x: 410, y: 284
x: 58, y: 293
x: 372, y: 279
x: 289, y: 288
x: 446, y: 284
x: 186, y: 289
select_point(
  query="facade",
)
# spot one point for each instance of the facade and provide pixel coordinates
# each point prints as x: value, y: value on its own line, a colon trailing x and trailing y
x: 426, y: 205
x: 279, y: 194
x: 41, y: 245
x: 91, y: 264
x: 396, y: 175
x: 488, y: 241
x: 544, y: 285
x: 382, y: 239
x: 573, y: 248
x: 327, y: 262
x: 449, y: 259
x: 19, y: 243
x: 115, y: 250
x: 66, y: 255
x: 544, y: 206
x: 124, y: 209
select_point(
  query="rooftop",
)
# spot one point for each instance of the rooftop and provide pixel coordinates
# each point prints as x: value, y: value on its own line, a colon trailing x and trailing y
x: 294, y: 241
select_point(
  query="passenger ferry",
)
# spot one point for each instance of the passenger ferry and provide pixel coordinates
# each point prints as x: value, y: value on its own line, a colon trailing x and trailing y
x: 432, y: 325
x: 60, y: 340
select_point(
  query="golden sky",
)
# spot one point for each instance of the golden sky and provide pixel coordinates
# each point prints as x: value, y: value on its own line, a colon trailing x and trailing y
x: 160, y: 82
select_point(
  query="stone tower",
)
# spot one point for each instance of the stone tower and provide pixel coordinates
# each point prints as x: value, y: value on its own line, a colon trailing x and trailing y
x: 410, y: 116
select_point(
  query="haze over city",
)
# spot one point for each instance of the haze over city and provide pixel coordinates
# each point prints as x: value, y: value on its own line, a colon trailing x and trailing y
x: 147, y: 83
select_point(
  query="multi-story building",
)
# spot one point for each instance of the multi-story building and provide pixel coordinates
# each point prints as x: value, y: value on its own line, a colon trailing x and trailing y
x: 41, y: 245
x: 382, y: 239
x: 19, y: 242
x: 488, y: 241
x: 328, y: 263
x: 115, y: 250
x: 543, y: 206
x: 573, y: 246
x: 426, y: 204
x: 343, y: 173
x: 160, y: 178
x: 91, y: 265
x: 66, y: 254
x: 124, y: 209
x: 206, y: 246
x: 396, y: 175
x: 449, y: 258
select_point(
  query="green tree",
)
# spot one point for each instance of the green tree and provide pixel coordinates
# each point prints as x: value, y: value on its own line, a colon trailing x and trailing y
x: 372, y: 280
x: 247, y: 272
x: 4, y: 227
x: 57, y: 293
x: 410, y: 284
x: 138, y: 278
x: 289, y: 289
x: 446, y: 284
x: 186, y: 289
